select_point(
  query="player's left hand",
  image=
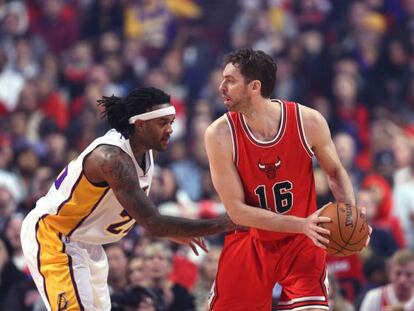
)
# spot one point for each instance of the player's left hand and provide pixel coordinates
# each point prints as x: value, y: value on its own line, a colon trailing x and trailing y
x: 192, y: 242
x: 363, y: 211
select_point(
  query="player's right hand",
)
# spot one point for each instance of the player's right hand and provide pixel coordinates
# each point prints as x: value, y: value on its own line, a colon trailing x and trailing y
x: 314, y: 232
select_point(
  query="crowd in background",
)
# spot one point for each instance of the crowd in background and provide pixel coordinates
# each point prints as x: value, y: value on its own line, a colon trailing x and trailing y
x: 351, y: 60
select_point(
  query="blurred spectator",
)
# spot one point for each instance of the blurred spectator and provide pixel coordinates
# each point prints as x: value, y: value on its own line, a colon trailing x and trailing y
x: 57, y: 24
x: 9, y: 274
x: 337, y: 301
x: 101, y: 16
x: 375, y: 272
x: 11, y: 231
x: 158, y: 262
x: 382, y: 198
x: 11, y: 82
x: 346, y: 148
x: 7, y: 205
x: 399, y: 293
x: 382, y: 242
x: 207, y: 275
x: 137, y: 275
x: 117, y: 262
x: 348, y: 274
x: 403, y: 197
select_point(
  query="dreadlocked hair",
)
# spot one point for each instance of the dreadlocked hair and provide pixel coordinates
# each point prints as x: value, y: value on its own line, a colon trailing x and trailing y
x: 118, y: 111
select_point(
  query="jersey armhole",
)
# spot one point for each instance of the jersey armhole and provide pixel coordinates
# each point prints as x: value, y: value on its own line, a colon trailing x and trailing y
x: 233, y: 139
x: 301, y: 131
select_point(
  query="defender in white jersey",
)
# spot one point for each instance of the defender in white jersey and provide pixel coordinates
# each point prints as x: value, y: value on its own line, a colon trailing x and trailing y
x: 97, y: 198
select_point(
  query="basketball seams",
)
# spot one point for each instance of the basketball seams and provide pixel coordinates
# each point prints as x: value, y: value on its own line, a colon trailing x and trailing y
x: 341, y: 243
x: 340, y: 226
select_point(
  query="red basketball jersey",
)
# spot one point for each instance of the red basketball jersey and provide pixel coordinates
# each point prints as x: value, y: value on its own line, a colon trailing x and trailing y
x: 276, y: 175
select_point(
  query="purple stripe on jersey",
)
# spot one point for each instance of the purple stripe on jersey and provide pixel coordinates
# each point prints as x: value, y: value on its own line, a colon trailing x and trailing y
x: 60, y: 179
x: 93, y: 208
x: 38, y: 257
x: 71, y: 194
x: 74, y: 283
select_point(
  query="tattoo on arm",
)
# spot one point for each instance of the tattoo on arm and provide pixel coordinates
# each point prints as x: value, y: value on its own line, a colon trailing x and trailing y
x: 119, y: 172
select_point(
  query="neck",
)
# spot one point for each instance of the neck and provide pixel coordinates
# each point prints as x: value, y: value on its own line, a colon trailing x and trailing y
x: 263, y: 118
x: 137, y: 148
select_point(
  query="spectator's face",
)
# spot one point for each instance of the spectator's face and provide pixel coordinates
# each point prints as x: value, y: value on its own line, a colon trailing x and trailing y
x: 345, y: 147
x: 117, y: 261
x: 13, y: 233
x: 210, y: 264
x: 6, y: 202
x: 365, y: 198
x: 136, y: 272
x: 158, y: 265
x: 402, y: 278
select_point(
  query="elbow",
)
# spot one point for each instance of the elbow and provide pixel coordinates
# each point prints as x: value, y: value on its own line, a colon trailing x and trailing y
x: 235, y: 215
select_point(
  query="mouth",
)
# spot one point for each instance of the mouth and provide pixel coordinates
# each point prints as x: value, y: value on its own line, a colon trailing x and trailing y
x: 165, y: 140
x: 226, y: 99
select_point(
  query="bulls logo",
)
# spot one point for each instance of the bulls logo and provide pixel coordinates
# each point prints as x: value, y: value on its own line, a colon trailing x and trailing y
x: 270, y: 168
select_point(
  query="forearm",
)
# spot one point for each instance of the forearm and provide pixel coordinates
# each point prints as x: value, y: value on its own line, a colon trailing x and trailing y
x: 169, y: 226
x: 341, y: 187
x: 250, y: 216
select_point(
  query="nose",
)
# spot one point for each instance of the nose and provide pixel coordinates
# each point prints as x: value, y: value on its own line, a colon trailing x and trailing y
x: 221, y: 86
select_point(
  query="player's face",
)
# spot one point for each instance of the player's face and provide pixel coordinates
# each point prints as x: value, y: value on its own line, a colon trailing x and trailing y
x: 158, y: 131
x: 234, y: 88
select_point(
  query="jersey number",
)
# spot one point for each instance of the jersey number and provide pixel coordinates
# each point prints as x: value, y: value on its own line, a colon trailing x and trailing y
x: 121, y: 227
x: 283, y: 198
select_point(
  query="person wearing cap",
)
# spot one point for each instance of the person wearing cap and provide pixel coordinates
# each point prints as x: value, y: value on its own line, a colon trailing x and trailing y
x: 98, y: 197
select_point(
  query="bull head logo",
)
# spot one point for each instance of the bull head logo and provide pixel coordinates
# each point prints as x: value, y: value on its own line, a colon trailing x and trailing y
x: 269, y: 168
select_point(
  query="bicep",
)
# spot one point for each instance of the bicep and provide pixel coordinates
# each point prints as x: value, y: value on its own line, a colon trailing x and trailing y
x: 224, y: 174
x: 322, y: 145
x: 118, y: 170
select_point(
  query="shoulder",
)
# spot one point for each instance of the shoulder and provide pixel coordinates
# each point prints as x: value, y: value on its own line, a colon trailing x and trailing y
x: 219, y: 129
x: 107, y: 155
x: 311, y: 117
x: 315, y: 127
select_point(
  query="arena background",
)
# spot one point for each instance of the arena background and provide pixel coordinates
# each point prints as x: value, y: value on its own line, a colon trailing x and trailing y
x: 351, y: 60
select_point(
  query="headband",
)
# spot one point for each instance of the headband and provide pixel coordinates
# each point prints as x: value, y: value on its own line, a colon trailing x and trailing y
x: 153, y: 114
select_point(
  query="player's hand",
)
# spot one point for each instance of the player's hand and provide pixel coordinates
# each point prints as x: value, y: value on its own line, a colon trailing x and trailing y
x: 313, y: 231
x: 227, y: 223
x: 192, y: 242
x: 363, y: 211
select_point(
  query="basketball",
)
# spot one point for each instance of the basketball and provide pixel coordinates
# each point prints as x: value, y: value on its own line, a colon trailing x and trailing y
x: 349, y: 229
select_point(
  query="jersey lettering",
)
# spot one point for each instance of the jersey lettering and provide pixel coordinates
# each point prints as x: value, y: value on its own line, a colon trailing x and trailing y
x: 121, y: 227
x: 282, y: 195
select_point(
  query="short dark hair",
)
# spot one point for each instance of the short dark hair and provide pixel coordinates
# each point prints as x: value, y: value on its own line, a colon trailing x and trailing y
x: 255, y: 65
x: 119, y: 110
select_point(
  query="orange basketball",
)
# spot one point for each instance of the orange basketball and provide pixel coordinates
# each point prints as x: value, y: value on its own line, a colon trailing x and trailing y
x: 349, y: 229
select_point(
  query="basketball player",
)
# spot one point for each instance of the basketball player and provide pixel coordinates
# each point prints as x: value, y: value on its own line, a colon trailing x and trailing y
x: 97, y: 199
x: 260, y: 155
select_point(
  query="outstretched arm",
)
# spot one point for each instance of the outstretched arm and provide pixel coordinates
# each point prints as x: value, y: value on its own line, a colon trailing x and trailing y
x: 110, y: 164
x: 229, y: 187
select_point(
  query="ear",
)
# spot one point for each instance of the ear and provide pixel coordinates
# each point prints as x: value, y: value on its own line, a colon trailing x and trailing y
x: 139, y: 125
x: 256, y: 85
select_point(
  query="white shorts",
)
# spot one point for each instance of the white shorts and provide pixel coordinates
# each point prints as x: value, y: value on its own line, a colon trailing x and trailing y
x: 69, y: 275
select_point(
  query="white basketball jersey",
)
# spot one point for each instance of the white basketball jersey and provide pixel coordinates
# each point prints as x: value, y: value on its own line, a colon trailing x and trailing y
x: 86, y: 212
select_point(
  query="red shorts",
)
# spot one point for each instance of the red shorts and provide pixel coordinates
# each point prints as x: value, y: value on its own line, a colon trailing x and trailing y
x: 248, y: 270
